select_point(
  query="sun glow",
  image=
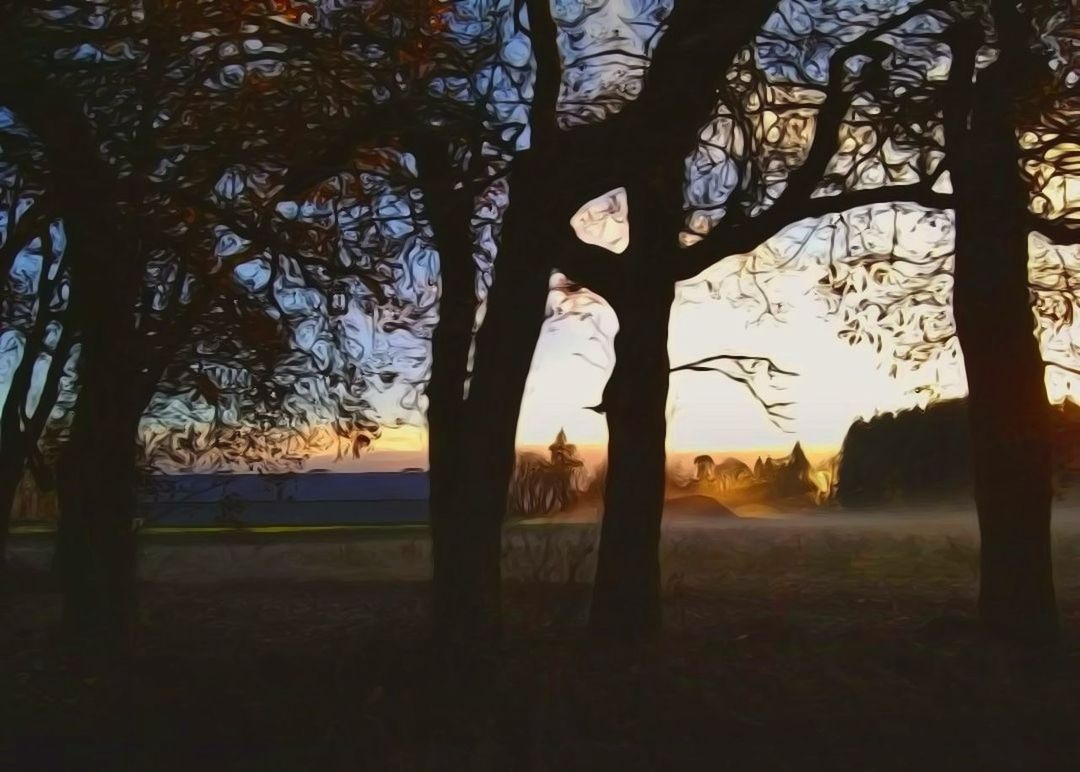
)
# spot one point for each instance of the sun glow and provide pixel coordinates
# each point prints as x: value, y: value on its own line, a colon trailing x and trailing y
x: 853, y: 308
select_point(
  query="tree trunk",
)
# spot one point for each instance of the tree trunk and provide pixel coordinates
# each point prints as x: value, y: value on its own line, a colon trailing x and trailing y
x: 14, y: 445
x: 1009, y: 412
x: 12, y: 464
x: 674, y: 106
x: 96, y: 476
x: 467, y: 570
x: 626, y: 595
x: 450, y: 213
x: 470, y: 595
x: 19, y: 433
x: 96, y: 486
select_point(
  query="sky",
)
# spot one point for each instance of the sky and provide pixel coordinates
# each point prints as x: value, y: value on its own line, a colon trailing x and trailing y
x: 855, y: 306
x: 810, y: 300
x: 837, y: 377
x: 800, y: 300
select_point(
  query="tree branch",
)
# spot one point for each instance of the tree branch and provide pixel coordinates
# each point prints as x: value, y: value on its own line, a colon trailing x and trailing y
x: 737, y: 358
x: 1057, y: 232
x: 751, y: 232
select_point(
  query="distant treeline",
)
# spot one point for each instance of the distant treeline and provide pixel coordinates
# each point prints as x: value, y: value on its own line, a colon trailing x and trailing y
x: 920, y: 455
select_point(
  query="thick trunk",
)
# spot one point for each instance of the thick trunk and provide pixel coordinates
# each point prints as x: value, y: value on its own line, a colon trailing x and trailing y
x: 671, y: 111
x: 469, y: 549
x: 470, y: 597
x: 96, y: 477
x: 450, y: 213
x: 445, y: 427
x: 626, y: 596
x: 96, y: 485
x: 1010, y: 416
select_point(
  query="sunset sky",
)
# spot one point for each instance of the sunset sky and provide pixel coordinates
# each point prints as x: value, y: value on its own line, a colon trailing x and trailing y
x: 847, y: 355
x: 855, y: 305
x: 836, y: 381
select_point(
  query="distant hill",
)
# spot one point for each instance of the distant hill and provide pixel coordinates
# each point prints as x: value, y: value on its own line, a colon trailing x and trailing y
x: 696, y: 505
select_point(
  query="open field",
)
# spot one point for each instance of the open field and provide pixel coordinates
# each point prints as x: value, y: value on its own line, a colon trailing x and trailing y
x: 902, y: 547
x: 832, y: 641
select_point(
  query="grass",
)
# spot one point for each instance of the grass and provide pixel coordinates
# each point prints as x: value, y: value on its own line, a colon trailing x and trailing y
x: 783, y: 649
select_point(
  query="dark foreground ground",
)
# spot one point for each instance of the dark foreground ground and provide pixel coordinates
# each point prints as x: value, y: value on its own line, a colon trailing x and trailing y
x: 817, y: 646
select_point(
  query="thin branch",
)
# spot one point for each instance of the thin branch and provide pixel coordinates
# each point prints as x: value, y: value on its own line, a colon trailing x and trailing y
x: 746, y: 374
x: 1057, y: 232
x: 771, y: 366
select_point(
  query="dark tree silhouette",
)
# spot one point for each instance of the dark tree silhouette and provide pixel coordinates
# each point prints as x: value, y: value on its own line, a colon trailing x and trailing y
x: 914, y: 455
x: 34, y: 311
x: 230, y: 153
x: 1009, y: 413
x: 627, y: 595
x: 467, y: 581
x: 166, y: 190
x: 641, y: 147
x: 997, y: 212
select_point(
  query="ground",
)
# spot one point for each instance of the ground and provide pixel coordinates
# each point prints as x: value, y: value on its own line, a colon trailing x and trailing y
x: 821, y: 642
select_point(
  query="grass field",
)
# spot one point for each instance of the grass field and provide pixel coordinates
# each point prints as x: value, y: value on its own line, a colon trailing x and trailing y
x: 832, y: 642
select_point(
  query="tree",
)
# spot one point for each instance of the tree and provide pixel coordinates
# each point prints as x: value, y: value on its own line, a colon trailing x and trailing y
x: 626, y: 601
x: 1008, y: 409
x: 174, y: 184
x: 990, y: 240
x: 559, y: 169
x: 281, y: 166
x: 813, y: 178
x: 34, y: 306
x: 231, y: 128
x: 1014, y: 510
